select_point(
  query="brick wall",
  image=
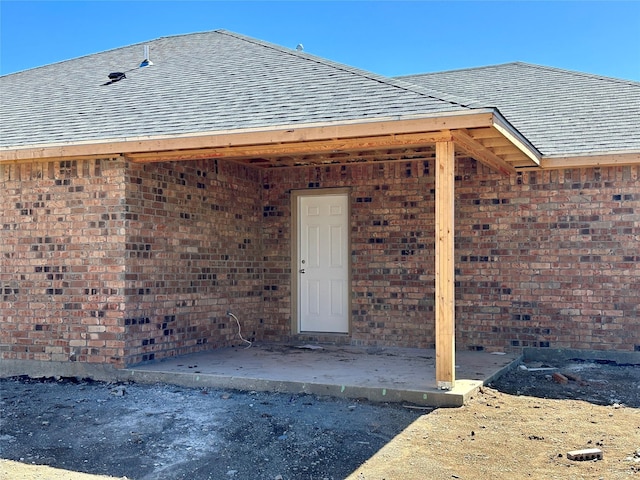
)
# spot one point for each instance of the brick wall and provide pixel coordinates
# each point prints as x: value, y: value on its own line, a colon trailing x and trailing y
x: 194, y: 252
x: 111, y: 262
x: 550, y: 259
x: 543, y: 259
x: 61, y: 261
x: 392, y: 243
x: 107, y: 262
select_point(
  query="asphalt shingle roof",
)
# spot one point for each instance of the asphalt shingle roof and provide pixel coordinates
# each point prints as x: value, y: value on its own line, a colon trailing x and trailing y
x: 222, y: 81
x: 212, y: 81
x: 561, y: 112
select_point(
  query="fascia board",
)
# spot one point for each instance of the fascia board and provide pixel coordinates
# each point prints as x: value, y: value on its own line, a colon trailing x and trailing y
x: 279, y: 134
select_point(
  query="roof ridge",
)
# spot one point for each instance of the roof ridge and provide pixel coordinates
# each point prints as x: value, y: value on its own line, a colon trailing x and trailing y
x: 531, y: 65
x: 579, y: 73
x: 454, y: 70
x: 420, y: 90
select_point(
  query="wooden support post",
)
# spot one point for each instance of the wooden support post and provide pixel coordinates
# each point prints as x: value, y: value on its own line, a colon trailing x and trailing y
x: 445, y: 266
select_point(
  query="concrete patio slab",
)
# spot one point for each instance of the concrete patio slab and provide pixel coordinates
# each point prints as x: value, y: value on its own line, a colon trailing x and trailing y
x: 377, y: 374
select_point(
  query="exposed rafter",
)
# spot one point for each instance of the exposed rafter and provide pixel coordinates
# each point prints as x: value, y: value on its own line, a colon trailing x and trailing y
x: 346, y: 158
x: 481, y: 153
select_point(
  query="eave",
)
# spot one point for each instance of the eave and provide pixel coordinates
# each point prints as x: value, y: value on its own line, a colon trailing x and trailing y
x: 480, y: 133
x: 600, y: 159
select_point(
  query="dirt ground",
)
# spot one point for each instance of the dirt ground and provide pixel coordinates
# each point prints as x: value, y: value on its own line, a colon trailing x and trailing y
x: 526, y: 433
x: 522, y: 426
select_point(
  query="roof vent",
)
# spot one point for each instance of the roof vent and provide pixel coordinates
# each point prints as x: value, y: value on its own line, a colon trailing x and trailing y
x: 300, y: 47
x: 146, y: 60
x: 115, y: 77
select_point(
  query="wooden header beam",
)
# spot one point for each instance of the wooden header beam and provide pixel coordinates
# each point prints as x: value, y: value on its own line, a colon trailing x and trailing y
x: 408, y: 140
x: 252, y: 137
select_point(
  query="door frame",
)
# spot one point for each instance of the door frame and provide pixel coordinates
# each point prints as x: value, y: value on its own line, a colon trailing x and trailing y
x: 295, y: 253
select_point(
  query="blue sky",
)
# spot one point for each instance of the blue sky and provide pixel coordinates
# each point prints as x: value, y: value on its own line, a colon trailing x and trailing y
x: 389, y: 38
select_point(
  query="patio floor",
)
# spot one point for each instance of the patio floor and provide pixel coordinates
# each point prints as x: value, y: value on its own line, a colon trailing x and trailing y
x: 376, y: 373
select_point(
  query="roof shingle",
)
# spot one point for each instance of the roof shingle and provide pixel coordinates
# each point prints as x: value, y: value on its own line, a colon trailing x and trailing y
x: 561, y: 112
x: 220, y: 81
x: 203, y: 82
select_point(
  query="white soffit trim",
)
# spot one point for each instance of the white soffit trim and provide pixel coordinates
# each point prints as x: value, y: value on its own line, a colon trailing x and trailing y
x: 516, y: 138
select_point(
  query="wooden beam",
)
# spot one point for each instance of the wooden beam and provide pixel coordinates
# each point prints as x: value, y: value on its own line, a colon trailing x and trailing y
x: 590, y: 161
x: 481, y: 154
x: 492, y: 142
x: 258, y: 136
x: 408, y: 140
x: 485, y: 133
x: 503, y: 150
x: 445, y: 265
x: 353, y: 158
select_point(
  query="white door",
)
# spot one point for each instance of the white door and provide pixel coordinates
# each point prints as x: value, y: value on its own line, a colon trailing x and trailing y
x: 323, y: 258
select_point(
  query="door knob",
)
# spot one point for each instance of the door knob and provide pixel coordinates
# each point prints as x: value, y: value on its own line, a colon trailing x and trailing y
x: 302, y: 270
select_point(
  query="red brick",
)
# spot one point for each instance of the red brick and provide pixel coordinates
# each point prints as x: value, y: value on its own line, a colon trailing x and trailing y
x: 536, y: 265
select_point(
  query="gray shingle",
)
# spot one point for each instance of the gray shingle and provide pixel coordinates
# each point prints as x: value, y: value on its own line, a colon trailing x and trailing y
x: 216, y: 81
x: 209, y: 81
x: 561, y: 112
